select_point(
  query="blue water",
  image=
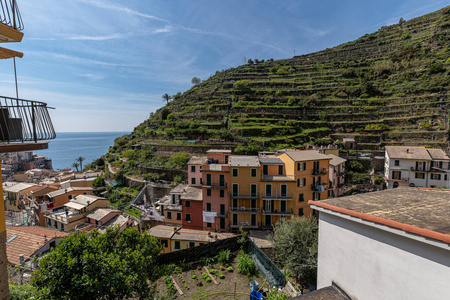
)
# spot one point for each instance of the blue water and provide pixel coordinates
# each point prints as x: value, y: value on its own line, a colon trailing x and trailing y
x: 69, y: 145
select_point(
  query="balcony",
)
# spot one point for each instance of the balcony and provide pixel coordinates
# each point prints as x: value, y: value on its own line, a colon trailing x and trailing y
x: 244, y: 225
x: 215, y: 185
x: 276, y: 212
x: 244, y: 209
x: 280, y: 196
x: 222, y: 214
x: 10, y: 22
x: 24, y: 121
x: 243, y: 196
x: 319, y: 185
x: 420, y: 169
x: 322, y: 171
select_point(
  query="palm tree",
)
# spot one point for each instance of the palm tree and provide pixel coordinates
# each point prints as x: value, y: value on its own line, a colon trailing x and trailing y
x: 166, y: 97
x: 80, y: 160
x: 76, y: 165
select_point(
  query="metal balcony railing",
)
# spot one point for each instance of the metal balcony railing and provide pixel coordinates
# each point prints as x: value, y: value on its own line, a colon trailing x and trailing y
x: 10, y: 14
x: 24, y: 121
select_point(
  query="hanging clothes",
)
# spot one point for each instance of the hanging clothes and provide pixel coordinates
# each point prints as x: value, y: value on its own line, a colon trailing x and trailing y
x: 208, y: 216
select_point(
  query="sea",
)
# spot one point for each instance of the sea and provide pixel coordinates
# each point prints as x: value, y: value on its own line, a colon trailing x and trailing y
x: 67, y: 146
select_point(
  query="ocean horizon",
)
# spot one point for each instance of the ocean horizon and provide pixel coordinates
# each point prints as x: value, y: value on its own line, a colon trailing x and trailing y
x: 67, y: 146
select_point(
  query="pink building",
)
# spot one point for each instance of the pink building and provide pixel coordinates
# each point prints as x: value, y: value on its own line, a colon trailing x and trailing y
x: 336, y: 175
x: 195, y: 170
x: 215, y: 178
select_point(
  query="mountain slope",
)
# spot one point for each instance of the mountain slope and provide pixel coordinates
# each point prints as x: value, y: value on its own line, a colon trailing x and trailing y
x: 388, y: 87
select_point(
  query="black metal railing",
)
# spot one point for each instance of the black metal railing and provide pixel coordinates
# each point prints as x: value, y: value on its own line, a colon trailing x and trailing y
x: 10, y: 14
x: 24, y: 121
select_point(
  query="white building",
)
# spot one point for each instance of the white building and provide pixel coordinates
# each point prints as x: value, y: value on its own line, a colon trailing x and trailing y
x: 392, y: 244
x: 416, y: 167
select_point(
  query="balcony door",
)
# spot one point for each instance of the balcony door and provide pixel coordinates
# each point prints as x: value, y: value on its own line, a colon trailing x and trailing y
x: 268, y: 205
x: 222, y: 180
x: 208, y: 179
x: 268, y: 190
x: 268, y: 221
x: 283, y: 190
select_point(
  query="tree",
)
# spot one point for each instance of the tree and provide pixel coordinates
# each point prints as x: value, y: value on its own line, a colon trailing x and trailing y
x: 76, y: 165
x: 99, y: 182
x: 196, y: 81
x: 295, y: 246
x: 401, y: 21
x: 113, y: 265
x: 80, y: 160
x: 166, y: 97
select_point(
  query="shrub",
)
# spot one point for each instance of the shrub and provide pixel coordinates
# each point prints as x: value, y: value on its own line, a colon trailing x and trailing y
x: 224, y: 256
x: 245, y: 265
x: 199, y: 283
x: 208, y: 279
x: 170, y: 287
x: 276, y: 296
x: 230, y: 269
x: 221, y: 276
x: 194, y: 276
x: 213, y: 271
x: 205, y: 275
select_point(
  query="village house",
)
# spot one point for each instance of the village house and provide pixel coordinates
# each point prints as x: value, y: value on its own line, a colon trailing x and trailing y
x: 195, y: 170
x: 73, y: 213
x: 16, y: 196
x: 171, y: 207
x: 25, y: 242
x: 416, y: 167
x: 177, y: 238
x: 392, y: 244
x: 336, y: 175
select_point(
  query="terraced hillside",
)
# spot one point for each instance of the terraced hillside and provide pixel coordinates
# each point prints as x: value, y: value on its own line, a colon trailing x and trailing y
x: 388, y: 87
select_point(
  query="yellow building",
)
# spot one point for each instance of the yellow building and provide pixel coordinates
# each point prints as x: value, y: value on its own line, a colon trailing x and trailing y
x: 309, y: 169
x: 16, y: 196
x: 244, y: 185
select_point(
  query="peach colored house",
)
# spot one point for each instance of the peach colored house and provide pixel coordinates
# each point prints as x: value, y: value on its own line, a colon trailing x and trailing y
x: 215, y: 177
x: 337, y: 176
x: 195, y: 170
x: 16, y: 196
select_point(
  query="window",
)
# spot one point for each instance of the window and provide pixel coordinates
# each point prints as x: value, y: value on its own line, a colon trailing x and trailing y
x: 420, y: 165
x: 191, y: 244
x: 62, y: 226
x: 283, y: 206
x: 49, y: 222
x: 265, y: 170
x: 268, y: 190
x: 235, y: 219
x: 208, y: 192
x: 301, y: 166
x: 222, y: 209
x: 235, y: 204
x: 235, y: 189
x: 420, y: 175
x: 253, y: 220
x: 55, y: 224
x: 208, y: 206
x: 188, y: 217
x: 283, y: 190
x: 301, y: 182
x: 435, y: 176
x: 96, y: 223
x: 192, y: 168
x: 253, y: 172
x: 437, y: 164
x: 201, y: 180
x: 253, y: 190
x: 396, y: 174
x: 316, y: 166
x: 193, y: 180
x: 235, y: 173
x: 222, y: 223
x: 280, y: 170
x: 226, y: 159
x: 209, y: 225
x: 300, y: 212
x: 301, y: 198
x: 164, y: 243
x: 177, y: 245
x: 396, y: 163
x: 187, y: 204
x: 70, y: 196
x: 445, y: 177
x: 208, y: 179
x: 221, y: 193
x: 316, y: 196
x: 169, y: 215
x: 222, y: 180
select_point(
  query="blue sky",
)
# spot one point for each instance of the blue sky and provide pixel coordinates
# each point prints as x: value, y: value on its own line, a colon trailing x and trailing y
x: 104, y: 64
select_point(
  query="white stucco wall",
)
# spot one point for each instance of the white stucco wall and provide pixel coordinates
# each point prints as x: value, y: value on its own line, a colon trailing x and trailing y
x: 371, y: 263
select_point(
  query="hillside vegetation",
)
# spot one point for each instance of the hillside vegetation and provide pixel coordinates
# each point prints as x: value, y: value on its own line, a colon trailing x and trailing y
x: 387, y: 87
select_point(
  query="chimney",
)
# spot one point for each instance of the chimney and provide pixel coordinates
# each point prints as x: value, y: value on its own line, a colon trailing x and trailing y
x: 407, y: 150
x: 21, y: 258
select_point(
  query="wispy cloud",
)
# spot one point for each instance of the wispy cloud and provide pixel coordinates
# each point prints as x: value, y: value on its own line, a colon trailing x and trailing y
x: 118, y: 8
x: 99, y: 37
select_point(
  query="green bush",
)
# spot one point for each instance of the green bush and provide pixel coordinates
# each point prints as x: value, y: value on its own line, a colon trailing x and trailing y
x: 194, y: 276
x: 230, y: 269
x: 245, y: 265
x: 221, y: 276
x: 224, y: 256
x: 213, y: 271
x: 23, y: 291
x: 276, y: 296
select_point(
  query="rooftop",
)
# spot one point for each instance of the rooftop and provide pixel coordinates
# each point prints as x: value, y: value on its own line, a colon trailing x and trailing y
x: 271, y: 161
x: 437, y: 154
x: 192, y: 193
x: 99, y: 213
x: 82, y: 201
x: 244, y: 161
x: 407, y: 152
x: 68, y: 190
x: 181, y: 234
x: 420, y: 211
x: 336, y: 160
x: 28, y: 241
x: 19, y: 187
x: 118, y: 220
x: 304, y: 155
x: 219, y: 151
x: 179, y: 189
x: 197, y: 160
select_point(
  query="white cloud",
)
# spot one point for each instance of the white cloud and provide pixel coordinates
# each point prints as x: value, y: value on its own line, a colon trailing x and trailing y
x: 99, y: 38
